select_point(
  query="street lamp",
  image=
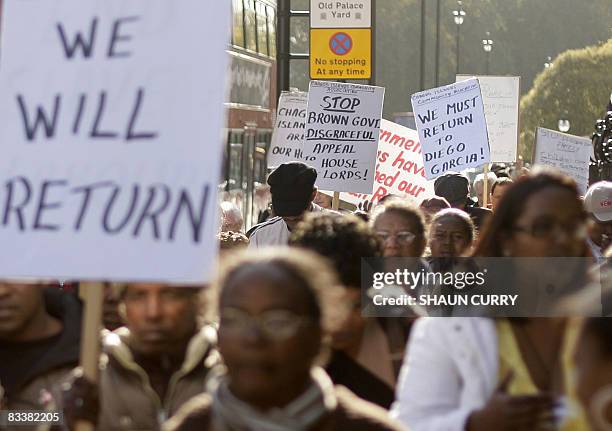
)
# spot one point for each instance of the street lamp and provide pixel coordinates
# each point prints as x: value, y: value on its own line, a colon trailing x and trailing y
x: 548, y: 62
x: 487, y: 45
x: 458, y: 16
x: 564, y: 124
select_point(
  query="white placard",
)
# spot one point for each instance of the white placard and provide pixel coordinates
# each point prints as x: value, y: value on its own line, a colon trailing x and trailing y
x: 341, y: 14
x: 570, y: 154
x: 452, y: 128
x: 288, y: 135
x: 399, y: 167
x: 342, y: 128
x: 501, y: 98
x: 112, y: 114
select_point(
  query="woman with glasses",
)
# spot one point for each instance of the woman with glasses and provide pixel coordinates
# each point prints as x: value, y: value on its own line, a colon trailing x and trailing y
x: 401, y: 229
x: 275, y: 309
x: 505, y: 374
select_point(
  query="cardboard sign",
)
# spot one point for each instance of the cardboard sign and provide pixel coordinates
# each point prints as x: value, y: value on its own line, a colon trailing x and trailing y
x: 570, y: 154
x: 399, y: 168
x: 342, y: 128
x: 501, y: 98
x: 111, y: 138
x: 288, y: 135
x: 452, y: 128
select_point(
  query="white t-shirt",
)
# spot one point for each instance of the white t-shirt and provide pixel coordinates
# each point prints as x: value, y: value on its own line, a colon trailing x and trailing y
x: 270, y: 233
x: 274, y: 231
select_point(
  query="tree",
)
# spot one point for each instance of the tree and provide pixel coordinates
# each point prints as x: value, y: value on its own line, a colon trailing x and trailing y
x: 578, y: 86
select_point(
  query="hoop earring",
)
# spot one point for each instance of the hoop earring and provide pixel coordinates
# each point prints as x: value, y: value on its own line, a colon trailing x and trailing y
x: 600, y: 402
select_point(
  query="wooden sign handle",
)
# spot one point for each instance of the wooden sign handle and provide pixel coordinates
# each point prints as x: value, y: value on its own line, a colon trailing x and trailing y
x: 485, y: 186
x: 92, y: 295
x: 336, y: 201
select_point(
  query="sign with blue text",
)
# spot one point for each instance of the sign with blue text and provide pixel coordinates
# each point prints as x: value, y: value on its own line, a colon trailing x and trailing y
x: 111, y: 138
x: 452, y: 127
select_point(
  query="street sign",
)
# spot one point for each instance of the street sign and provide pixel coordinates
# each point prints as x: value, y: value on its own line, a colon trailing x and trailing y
x: 341, y: 43
x: 341, y: 53
x: 341, y: 14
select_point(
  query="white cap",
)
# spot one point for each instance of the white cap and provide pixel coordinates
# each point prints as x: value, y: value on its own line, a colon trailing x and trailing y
x: 598, y: 200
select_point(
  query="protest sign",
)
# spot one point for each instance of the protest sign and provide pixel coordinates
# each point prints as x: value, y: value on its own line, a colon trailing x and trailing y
x: 570, y: 154
x: 342, y: 128
x: 452, y: 129
x: 111, y: 135
x: 500, y: 95
x: 399, y: 167
x: 288, y: 134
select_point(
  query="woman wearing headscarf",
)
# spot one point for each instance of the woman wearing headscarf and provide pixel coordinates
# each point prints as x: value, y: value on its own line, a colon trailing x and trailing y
x: 275, y: 308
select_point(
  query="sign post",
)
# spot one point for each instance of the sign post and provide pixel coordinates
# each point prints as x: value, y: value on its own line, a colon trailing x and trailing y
x: 341, y: 39
x: 92, y: 295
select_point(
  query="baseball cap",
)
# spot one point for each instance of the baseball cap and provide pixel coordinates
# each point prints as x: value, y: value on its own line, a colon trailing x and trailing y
x: 291, y: 186
x: 452, y: 186
x: 598, y: 200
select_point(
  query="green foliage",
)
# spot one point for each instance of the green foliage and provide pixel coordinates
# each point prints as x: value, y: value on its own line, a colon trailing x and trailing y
x: 577, y: 86
x: 524, y: 32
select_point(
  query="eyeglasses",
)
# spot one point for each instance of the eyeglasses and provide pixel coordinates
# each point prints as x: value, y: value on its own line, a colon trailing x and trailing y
x: 404, y: 237
x: 274, y: 324
x: 547, y: 227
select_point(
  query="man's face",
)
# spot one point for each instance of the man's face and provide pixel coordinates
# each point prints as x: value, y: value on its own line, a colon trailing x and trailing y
x: 160, y: 318
x: 19, y: 303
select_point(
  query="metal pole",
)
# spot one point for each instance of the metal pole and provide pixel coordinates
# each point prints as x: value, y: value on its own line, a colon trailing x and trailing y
x: 437, y: 43
x: 373, y: 54
x: 283, y: 48
x: 488, y: 61
x: 422, y: 73
x: 457, y: 61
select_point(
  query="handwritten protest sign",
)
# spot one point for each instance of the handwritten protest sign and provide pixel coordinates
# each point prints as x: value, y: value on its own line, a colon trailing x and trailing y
x: 342, y: 129
x: 111, y: 138
x: 288, y: 135
x: 500, y: 96
x: 452, y: 129
x: 399, y: 167
x: 570, y: 154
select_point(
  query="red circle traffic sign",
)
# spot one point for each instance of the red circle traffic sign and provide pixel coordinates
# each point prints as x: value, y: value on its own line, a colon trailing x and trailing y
x: 341, y: 43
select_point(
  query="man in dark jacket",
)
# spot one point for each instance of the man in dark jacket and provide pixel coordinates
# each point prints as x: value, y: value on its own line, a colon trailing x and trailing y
x: 293, y: 190
x: 150, y: 367
x: 40, y: 332
x: 455, y: 188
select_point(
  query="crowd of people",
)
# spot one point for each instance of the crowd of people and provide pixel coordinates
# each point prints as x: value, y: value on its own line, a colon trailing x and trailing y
x: 279, y: 342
